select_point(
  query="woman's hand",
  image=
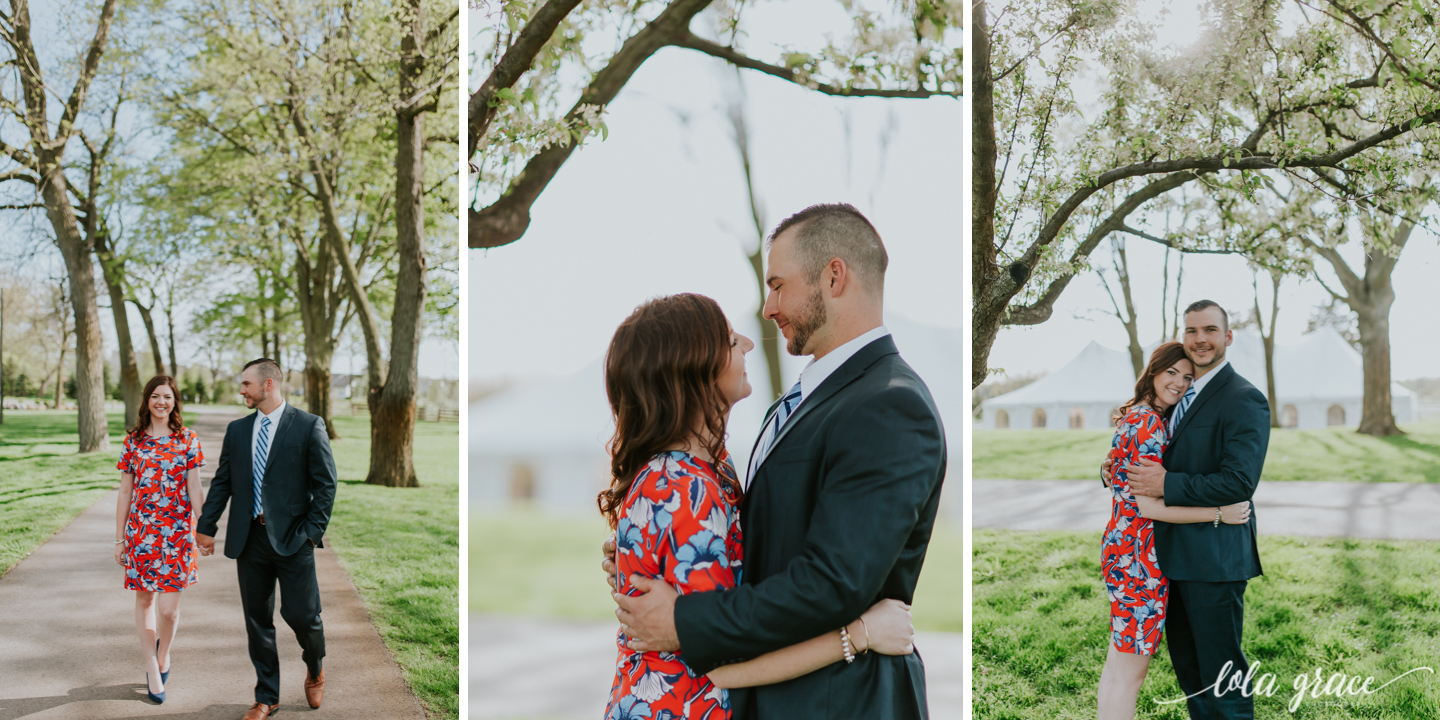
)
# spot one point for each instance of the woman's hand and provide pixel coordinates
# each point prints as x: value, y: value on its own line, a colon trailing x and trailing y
x: 1237, y: 514
x: 887, y: 624
x: 120, y: 554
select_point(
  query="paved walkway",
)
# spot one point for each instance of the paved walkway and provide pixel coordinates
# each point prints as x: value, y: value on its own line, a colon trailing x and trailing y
x: 1381, y: 511
x: 543, y: 667
x: 69, y: 649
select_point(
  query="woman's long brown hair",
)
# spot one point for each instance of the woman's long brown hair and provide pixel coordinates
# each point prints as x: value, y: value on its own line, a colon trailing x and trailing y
x: 142, y: 420
x: 661, y: 376
x: 1161, y: 360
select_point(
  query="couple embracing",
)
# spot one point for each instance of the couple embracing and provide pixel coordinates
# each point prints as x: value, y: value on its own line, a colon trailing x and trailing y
x: 805, y: 614
x: 277, y: 467
x: 1181, y: 542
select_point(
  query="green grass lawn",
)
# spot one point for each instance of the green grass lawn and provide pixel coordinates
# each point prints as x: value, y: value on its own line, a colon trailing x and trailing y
x: 44, y: 483
x: 1361, y: 607
x: 525, y: 562
x: 1322, y: 454
x: 401, y: 548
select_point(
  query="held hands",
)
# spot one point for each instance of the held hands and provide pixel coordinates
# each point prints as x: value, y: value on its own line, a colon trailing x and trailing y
x: 887, y: 624
x: 1107, y: 475
x: 206, y: 543
x: 1237, y: 514
x: 649, y: 619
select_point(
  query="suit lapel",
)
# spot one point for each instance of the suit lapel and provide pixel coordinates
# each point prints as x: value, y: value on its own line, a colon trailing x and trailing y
x: 1211, y: 390
x: 843, y: 375
x: 247, y: 448
x: 281, y: 426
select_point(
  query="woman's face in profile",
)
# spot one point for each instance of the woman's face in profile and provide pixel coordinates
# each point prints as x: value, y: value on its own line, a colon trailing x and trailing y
x: 734, y: 383
x: 1172, y: 382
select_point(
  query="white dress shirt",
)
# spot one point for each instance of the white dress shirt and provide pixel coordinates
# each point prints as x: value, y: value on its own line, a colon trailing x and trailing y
x: 810, y: 378
x: 274, y: 416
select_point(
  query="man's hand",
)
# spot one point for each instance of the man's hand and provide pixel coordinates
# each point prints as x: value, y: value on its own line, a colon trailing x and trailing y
x: 607, y: 562
x: 1147, y: 477
x: 1107, y: 475
x: 206, y: 543
x: 649, y: 619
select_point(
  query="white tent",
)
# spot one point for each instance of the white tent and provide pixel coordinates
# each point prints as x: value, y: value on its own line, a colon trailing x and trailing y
x: 1318, y: 382
x: 546, y: 441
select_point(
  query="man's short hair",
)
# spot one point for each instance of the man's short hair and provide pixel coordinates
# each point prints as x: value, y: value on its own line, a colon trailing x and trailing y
x: 268, y: 370
x: 1199, y: 305
x: 836, y: 230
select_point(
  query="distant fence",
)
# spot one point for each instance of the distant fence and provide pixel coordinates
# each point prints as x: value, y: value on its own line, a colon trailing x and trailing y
x: 422, y: 414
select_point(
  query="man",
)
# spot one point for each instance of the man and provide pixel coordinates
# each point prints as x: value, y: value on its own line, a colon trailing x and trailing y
x: 841, y: 491
x: 1219, y: 432
x: 276, y: 464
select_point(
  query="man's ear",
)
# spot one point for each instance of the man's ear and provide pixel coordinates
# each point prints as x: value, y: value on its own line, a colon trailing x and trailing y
x: 839, y: 276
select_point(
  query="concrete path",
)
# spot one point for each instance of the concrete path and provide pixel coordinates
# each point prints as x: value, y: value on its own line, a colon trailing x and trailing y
x: 549, y: 668
x: 69, y: 648
x: 1381, y: 511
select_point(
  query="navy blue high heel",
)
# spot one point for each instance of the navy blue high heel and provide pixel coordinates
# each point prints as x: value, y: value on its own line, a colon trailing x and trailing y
x: 165, y: 675
x: 157, y: 699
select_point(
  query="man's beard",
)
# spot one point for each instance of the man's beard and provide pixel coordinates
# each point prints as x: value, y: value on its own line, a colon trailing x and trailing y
x: 1217, y: 350
x: 804, y: 325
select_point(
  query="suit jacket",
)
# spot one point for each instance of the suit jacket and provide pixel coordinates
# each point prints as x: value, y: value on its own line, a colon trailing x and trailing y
x: 837, y: 518
x: 298, y: 491
x: 1214, y: 458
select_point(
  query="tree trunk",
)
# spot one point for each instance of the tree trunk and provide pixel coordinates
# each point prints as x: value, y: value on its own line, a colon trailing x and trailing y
x: 1377, y: 416
x: 170, y: 337
x: 155, y: 354
x: 60, y: 369
x: 318, y: 309
x: 769, y: 339
x: 392, y: 405
x: 985, y: 313
x: 1268, y: 339
x: 112, y: 270
x: 89, y: 343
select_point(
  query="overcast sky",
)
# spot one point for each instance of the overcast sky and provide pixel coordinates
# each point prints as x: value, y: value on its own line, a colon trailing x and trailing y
x: 659, y: 207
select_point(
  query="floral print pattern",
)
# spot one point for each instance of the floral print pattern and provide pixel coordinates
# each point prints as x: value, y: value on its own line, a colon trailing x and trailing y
x: 1133, y: 580
x: 159, y: 544
x: 682, y: 526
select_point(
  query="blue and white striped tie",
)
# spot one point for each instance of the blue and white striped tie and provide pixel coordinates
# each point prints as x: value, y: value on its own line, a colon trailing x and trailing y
x: 1181, y: 407
x: 262, y: 450
x: 782, y: 413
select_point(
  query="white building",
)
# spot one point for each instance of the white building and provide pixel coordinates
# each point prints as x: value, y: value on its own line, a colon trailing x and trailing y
x: 1318, y: 382
x: 546, y: 442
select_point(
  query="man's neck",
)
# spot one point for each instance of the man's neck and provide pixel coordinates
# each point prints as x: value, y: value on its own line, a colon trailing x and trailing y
x: 1202, y: 372
x: 268, y: 405
x: 845, y: 332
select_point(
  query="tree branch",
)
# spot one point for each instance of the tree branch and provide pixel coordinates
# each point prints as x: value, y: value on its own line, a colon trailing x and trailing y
x: 694, y: 42
x: 506, y: 220
x: 514, y: 64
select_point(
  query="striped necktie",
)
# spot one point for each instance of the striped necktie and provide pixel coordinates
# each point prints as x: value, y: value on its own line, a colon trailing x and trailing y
x: 782, y: 413
x: 262, y: 451
x: 1181, y: 407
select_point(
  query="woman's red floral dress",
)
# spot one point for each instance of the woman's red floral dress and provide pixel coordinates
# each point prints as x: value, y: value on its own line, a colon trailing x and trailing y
x: 680, y: 525
x: 159, y: 545
x: 1133, y: 580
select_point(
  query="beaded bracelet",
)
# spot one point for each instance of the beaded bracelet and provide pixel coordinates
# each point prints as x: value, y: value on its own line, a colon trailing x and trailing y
x: 845, y: 645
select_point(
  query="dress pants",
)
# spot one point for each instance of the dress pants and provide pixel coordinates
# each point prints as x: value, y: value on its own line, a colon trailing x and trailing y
x: 1202, y: 630
x: 259, y: 568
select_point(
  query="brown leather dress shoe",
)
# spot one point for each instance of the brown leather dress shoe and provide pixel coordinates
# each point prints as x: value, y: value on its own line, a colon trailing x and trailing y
x: 260, y: 711
x: 315, y: 688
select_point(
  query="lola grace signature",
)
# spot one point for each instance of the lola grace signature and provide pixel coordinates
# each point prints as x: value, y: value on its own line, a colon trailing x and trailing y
x: 1313, y: 685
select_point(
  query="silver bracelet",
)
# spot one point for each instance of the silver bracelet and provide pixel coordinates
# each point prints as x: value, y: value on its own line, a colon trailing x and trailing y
x: 1217, y: 517
x: 845, y: 645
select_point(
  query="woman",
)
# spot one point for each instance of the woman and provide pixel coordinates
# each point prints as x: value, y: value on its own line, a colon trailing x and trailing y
x: 1133, y: 580
x: 673, y: 371
x: 160, y: 497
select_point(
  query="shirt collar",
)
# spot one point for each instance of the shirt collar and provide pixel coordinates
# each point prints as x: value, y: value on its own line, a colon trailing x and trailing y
x: 1205, y: 379
x: 816, y: 372
x: 274, y: 415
